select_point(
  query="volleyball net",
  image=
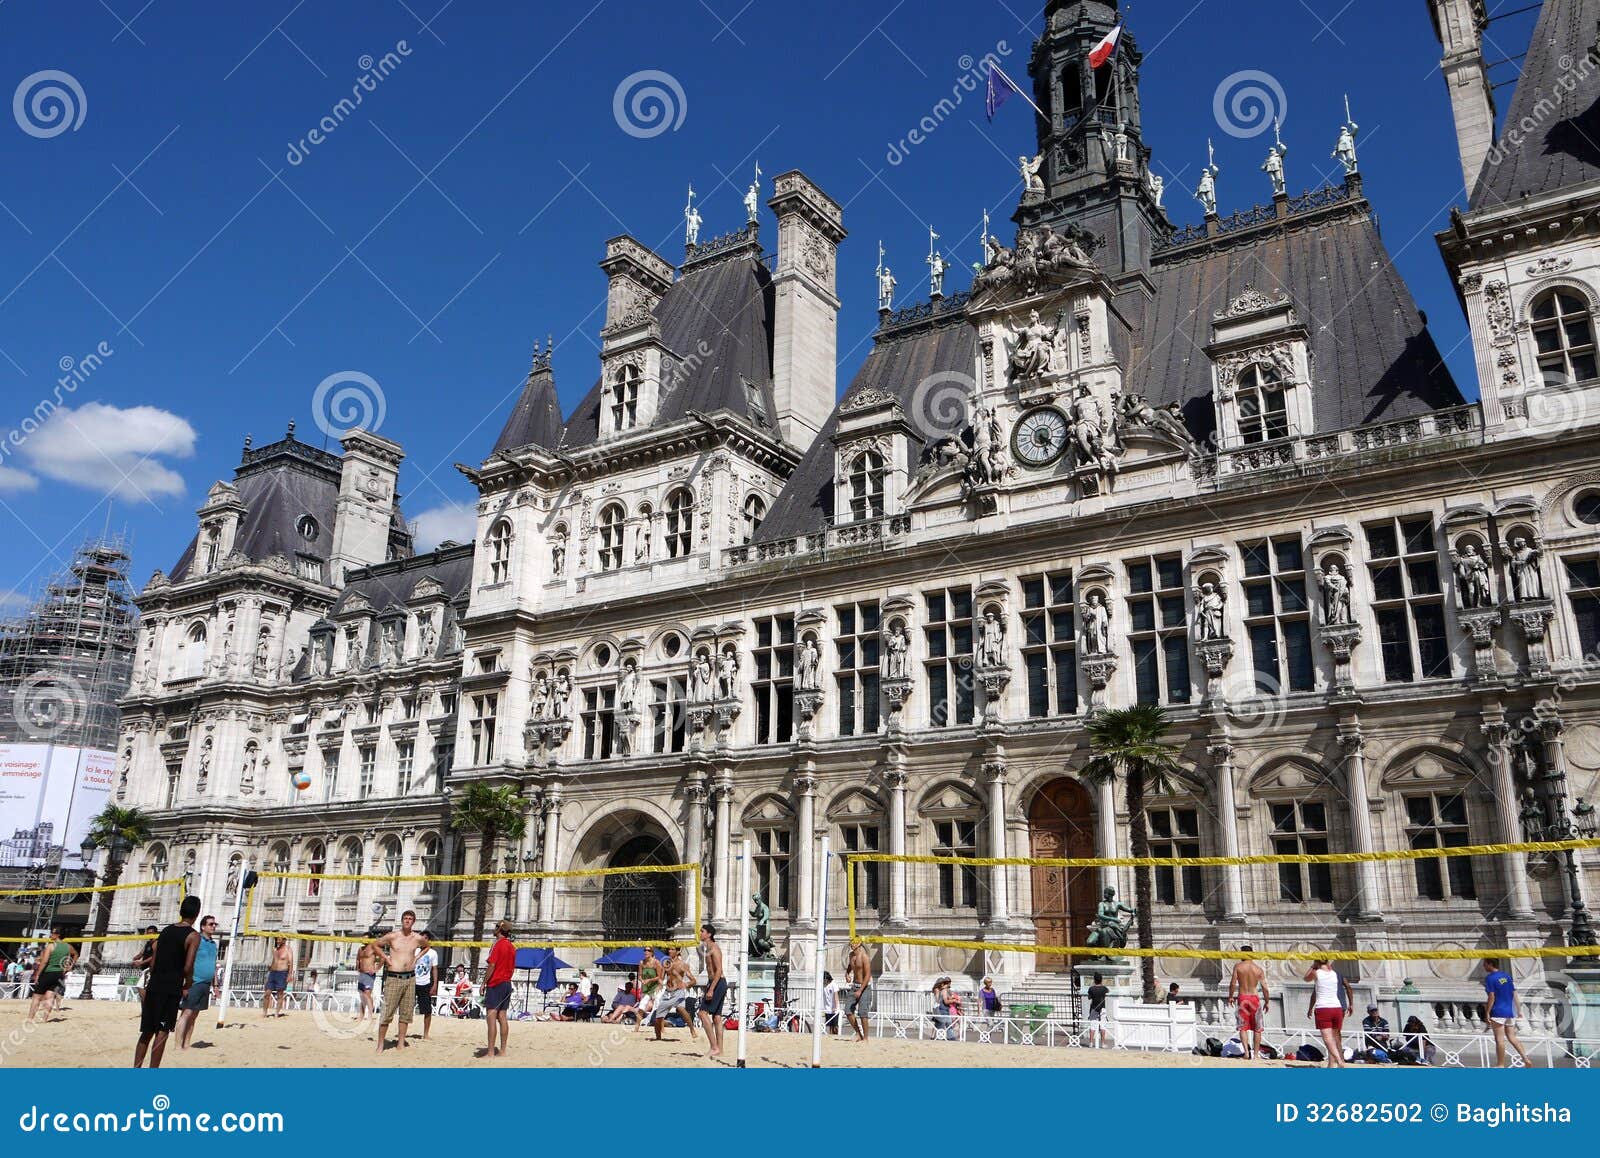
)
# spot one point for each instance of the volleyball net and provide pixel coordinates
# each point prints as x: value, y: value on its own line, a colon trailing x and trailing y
x: 634, y: 902
x: 1062, y: 895
x: 159, y: 901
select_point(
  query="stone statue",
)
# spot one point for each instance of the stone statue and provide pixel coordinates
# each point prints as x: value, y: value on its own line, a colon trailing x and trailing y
x: 1335, y: 586
x: 808, y: 666
x: 1169, y: 420
x: 886, y: 284
x: 761, y: 944
x: 1273, y: 167
x: 391, y: 644
x: 752, y: 197
x: 628, y: 687
x: 1121, y: 140
x: 1086, y: 429
x: 1208, y: 608
x: 560, y: 695
x: 247, y: 774
x: 700, y: 679
x: 691, y: 221
x: 204, y: 771
x: 1030, y: 357
x: 1345, y: 150
x: 897, y: 664
x: 558, y: 556
x: 727, y: 674
x: 1031, y: 181
x: 1112, y: 919
x: 1096, y: 625
x: 232, y: 886
x: 1472, y: 577
x: 1206, y: 194
x: 263, y: 654
x: 539, y: 698
x: 319, y: 659
x: 991, y: 641
x: 1158, y: 188
x: 1522, y: 558
x: 356, y: 652
x: 641, y: 541
x: 430, y: 636
x: 936, y: 270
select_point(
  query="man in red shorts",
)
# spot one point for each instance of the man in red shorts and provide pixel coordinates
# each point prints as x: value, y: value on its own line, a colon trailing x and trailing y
x: 1248, y: 986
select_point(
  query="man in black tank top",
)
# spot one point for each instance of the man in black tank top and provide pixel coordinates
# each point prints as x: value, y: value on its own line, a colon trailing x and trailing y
x: 171, y: 972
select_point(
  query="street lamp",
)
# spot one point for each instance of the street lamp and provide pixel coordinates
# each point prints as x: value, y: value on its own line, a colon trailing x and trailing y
x: 116, y: 851
x: 1552, y: 821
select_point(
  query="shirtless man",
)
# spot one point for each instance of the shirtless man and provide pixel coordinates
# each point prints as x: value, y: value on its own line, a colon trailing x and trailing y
x: 398, y: 950
x: 280, y: 975
x: 674, y: 993
x: 1248, y: 986
x: 858, y: 1004
x: 716, y: 990
x: 366, y: 973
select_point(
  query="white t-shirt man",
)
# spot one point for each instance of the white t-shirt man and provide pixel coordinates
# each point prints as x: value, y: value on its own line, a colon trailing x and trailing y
x: 830, y: 997
x: 427, y: 962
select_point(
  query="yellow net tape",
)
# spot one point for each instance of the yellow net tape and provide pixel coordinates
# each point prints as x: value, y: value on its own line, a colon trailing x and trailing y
x: 1227, y: 955
x: 91, y: 888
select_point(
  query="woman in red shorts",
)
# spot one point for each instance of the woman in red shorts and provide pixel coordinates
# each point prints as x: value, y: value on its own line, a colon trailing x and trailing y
x: 1331, y: 999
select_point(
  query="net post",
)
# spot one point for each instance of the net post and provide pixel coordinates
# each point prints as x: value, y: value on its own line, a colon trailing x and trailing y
x: 822, y: 954
x: 744, y: 949
x: 233, y: 944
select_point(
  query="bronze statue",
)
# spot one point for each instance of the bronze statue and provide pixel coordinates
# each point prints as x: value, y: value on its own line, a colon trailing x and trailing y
x: 760, y: 928
x: 1110, y: 929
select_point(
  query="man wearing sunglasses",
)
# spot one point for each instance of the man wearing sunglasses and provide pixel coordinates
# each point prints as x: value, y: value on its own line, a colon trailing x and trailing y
x: 198, y: 999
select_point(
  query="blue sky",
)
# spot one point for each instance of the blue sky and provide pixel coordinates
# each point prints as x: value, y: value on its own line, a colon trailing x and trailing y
x: 460, y: 211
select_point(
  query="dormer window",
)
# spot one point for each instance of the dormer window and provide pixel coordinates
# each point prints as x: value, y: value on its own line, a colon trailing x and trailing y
x: 611, y: 530
x: 680, y: 523
x: 1263, y: 406
x: 499, y: 544
x: 213, y: 546
x: 755, y: 509
x: 867, y: 475
x: 1563, y: 334
x: 625, y: 398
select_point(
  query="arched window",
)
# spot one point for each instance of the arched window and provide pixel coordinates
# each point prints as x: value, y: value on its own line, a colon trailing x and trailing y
x: 1263, y: 406
x: 499, y: 544
x: 866, y: 486
x: 156, y: 862
x: 194, y: 652
x: 612, y: 522
x: 393, y: 861
x: 208, y: 555
x: 315, y: 860
x: 280, y: 864
x: 351, y: 866
x: 755, y: 509
x: 1563, y: 333
x: 428, y: 852
x: 625, y: 398
x: 680, y: 523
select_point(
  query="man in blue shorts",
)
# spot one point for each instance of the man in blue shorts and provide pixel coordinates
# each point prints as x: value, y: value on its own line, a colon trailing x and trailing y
x: 1500, y: 1011
x: 279, y: 974
x: 198, y: 999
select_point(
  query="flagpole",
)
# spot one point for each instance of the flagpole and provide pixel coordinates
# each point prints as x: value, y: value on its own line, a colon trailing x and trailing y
x: 1017, y: 88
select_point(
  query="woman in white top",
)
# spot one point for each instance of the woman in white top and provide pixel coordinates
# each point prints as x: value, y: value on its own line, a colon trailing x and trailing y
x: 1331, y: 999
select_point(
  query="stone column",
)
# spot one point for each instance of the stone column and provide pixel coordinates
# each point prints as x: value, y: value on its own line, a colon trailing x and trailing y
x: 694, y: 834
x: 721, y: 883
x: 249, y: 628
x: 999, y: 891
x: 1228, y: 824
x: 1519, y: 904
x: 553, y: 799
x: 895, y: 777
x: 1355, y: 767
x: 1107, y: 808
x: 805, y: 787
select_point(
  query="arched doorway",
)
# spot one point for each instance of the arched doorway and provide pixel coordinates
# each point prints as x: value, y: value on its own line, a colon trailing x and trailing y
x: 1061, y: 824
x: 640, y: 907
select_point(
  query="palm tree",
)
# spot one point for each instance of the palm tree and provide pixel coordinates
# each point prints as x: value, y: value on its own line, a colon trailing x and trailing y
x: 492, y: 813
x: 1127, y: 744
x: 119, y: 831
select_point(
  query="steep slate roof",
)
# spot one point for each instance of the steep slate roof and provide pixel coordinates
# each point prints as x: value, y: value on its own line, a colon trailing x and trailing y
x: 1562, y: 106
x: 387, y: 586
x: 728, y: 304
x: 1371, y: 356
x: 536, y: 418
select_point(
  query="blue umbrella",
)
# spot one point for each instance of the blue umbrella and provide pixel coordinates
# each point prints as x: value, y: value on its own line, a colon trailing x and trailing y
x: 630, y: 957
x: 546, y: 962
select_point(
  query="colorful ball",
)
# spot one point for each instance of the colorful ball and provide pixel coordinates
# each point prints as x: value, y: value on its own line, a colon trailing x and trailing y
x: 302, y: 780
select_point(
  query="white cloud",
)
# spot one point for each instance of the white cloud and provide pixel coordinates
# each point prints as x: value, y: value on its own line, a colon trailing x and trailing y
x: 12, y: 600
x: 13, y: 480
x: 112, y: 449
x: 458, y: 521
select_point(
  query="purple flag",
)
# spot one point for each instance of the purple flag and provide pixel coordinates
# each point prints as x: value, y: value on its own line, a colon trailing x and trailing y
x: 1000, y: 90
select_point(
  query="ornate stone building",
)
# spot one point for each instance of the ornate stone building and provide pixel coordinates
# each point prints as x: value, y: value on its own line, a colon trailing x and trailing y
x: 1221, y: 468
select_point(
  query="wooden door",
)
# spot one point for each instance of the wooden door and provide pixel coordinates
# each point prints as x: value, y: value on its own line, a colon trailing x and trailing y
x: 1061, y: 825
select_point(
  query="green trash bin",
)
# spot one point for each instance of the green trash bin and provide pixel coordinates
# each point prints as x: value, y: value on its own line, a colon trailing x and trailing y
x: 1032, y: 1018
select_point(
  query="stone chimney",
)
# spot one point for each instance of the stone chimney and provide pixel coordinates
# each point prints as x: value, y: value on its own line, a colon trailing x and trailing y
x: 368, y: 472
x: 806, y: 316
x: 638, y: 278
x: 1460, y: 25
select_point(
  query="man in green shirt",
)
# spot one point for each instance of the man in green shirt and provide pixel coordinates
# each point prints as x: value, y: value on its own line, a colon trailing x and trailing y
x: 55, y: 959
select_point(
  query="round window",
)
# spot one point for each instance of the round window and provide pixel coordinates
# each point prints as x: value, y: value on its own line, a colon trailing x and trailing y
x: 307, y: 526
x: 602, y: 656
x: 671, y: 646
x: 1587, y: 507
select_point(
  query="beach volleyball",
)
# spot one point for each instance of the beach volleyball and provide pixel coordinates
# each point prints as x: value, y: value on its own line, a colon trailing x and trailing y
x: 302, y: 780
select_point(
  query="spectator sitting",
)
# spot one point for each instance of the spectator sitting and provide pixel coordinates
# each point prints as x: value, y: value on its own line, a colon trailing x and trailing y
x: 593, y: 1004
x: 570, y: 1005
x: 1375, y: 1039
x: 624, y: 1006
x: 1172, y: 997
x: 1414, y: 1048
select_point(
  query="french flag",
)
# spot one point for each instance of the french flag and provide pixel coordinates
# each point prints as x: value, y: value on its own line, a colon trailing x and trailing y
x: 1102, y: 52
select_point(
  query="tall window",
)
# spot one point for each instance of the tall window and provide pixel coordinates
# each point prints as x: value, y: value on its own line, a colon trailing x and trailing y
x: 369, y: 770
x: 866, y: 486
x: 405, y: 761
x: 1176, y: 832
x: 771, y: 864
x: 428, y: 854
x: 353, y: 864
x: 599, y: 722
x: 773, y: 682
x: 1563, y: 333
x: 1159, y: 630
x: 857, y: 647
x: 612, y: 524
x: 212, y: 549
x: 948, y: 633
x: 858, y: 837
x: 1049, y: 644
x: 755, y: 509
x: 174, y: 772
x: 330, y: 773
x: 1301, y: 828
x: 484, y: 710
x: 958, y: 884
x: 625, y: 398
x: 444, y: 758
x: 499, y: 545
x: 156, y: 864
x: 316, y: 862
x: 1439, y: 820
x: 680, y: 523
x: 1583, y: 590
x: 1277, y: 616
x: 393, y: 861
x: 1263, y: 409
x: 194, y: 651
x: 1408, y: 600
x: 669, y: 700
x: 280, y: 864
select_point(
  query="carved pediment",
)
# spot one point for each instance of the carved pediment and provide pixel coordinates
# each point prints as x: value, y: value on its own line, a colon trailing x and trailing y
x: 1040, y: 259
x: 426, y: 588
x: 1424, y: 769
x: 1288, y: 778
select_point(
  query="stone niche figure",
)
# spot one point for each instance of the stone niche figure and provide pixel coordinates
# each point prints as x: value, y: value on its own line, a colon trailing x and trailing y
x: 1334, y: 584
x: 391, y: 644
x: 247, y: 774
x: 628, y: 687
x: 808, y: 666
x: 357, y: 653
x: 991, y: 641
x: 430, y: 635
x: 641, y: 541
x: 1208, y: 612
x: 263, y: 652
x: 727, y: 674
x: 1030, y: 357
x: 540, y: 696
x: 1472, y: 577
x: 1096, y: 625
x: 897, y: 663
x: 1522, y: 558
x: 558, y: 556
x: 319, y: 659
x: 1086, y: 428
x: 560, y: 695
x: 700, y: 679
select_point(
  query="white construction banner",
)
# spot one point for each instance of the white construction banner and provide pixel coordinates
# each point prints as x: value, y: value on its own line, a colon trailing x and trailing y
x: 49, y: 796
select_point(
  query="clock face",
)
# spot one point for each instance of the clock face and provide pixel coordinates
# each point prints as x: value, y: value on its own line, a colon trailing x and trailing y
x: 1039, y: 436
